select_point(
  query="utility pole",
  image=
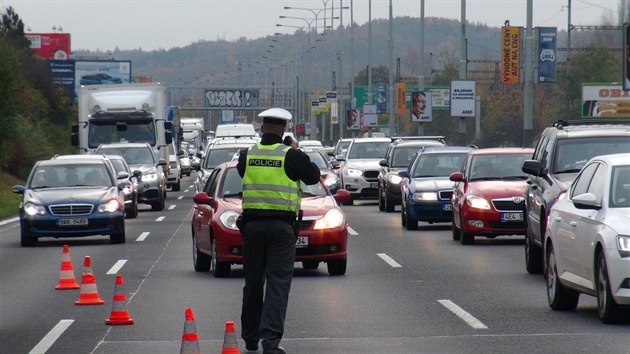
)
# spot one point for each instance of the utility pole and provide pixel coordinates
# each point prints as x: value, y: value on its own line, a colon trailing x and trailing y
x: 369, y: 96
x: 421, y: 69
x: 462, y: 68
x: 390, y: 99
x: 528, y: 89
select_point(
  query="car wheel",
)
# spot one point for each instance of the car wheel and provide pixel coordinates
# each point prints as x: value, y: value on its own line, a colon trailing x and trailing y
x: 607, y: 308
x: 465, y: 238
x: 219, y: 269
x: 159, y: 205
x: 410, y: 222
x: 403, y: 219
x: 337, y: 266
x: 27, y: 239
x: 118, y: 237
x: 559, y: 297
x: 389, y: 204
x: 533, y: 255
x: 177, y: 186
x: 310, y: 264
x: 381, y: 202
x: 201, y: 261
x: 456, y: 235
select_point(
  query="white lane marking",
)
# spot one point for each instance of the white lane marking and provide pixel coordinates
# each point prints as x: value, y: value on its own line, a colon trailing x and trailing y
x: 116, y: 267
x: 160, y: 218
x: 171, y: 207
x: 180, y: 197
x: 192, y: 186
x: 142, y: 236
x: 352, y: 232
x: 389, y: 260
x: 51, y: 337
x: 186, y: 191
x: 8, y: 221
x: 461, y: 313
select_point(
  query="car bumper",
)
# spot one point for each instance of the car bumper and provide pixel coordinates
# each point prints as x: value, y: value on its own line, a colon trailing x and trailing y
x: 619, y: 276
x: 149, y: 192
x: 360, y: 188
x: 489, y: 223
x: 440, y: 211
x: 104, y: 224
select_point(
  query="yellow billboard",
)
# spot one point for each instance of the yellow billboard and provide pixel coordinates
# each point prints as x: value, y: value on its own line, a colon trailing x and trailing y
x: 401, y: 98
x: 510, y: 54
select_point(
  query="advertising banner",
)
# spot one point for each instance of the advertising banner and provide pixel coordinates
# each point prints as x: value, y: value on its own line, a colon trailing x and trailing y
x: 331, y: 96
x: 462, y: 98
x: 510, y: 54
x: 99, y: 72
x: 547, y: 54
x: 352, y: 119
x: 62, y: 73
x: 381, y: 98
x: 334, y: 113
x: 370, y: 116
x: 421, y: 106
x: 314, y: 106
x: 605, y: 101
x: 231, y: 98
x: 440, y: 97
x: 401, y: 98
x: 50, y: 45
x: 626, y: 56
x: 227, y: 116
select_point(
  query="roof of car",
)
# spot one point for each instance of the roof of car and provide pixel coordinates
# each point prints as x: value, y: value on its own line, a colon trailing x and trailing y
x: 502, y: 150
x: 417, y: 143
x: 71, y: 160
x: 372, y: 140
x: 96, y: 157
x: 230, y: 146
x: 105, y: 146
x: 446, y: 149
x: 615, y: 159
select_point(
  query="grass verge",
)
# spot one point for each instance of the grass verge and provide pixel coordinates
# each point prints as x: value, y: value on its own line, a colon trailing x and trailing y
x: 9, y: 200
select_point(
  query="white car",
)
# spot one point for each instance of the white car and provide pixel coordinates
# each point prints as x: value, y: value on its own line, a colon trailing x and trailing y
x: 587, y: 250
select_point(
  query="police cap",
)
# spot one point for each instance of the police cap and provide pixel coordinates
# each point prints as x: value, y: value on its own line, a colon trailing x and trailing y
x: 276, y: 116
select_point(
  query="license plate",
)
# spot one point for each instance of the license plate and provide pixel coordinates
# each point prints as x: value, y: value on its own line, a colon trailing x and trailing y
x: 374, y: 185
x: 302, y: 242
x: 447, y: 207
x: 73, y: 222
x: 511, y: 216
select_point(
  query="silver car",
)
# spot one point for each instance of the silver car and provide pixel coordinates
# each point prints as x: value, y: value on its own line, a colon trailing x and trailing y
x: 587, y: 250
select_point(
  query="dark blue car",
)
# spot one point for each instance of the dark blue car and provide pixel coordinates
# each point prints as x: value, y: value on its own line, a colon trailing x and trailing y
x: 425, y: 187
x: 99, y: 79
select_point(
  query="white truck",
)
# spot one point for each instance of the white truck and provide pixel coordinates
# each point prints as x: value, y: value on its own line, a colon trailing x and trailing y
x: 128, y: 113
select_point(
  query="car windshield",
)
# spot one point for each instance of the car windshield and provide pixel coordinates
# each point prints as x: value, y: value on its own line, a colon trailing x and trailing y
x: 620, y: 187
x: 572, y: 154
x: 119, y: 165
x: 216, y: 157
x: 61, y: 176
x: 497, y: 166
x: 402, y: 155
x: 342, y: 146
x: 133, y: 155
x: 368, y: 150
x: 110, y: 132
x: 438, y: 165
x: 317, y: 159
x: 233, y: 186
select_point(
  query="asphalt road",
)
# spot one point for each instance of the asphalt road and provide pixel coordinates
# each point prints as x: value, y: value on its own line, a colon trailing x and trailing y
x: 404, y: 292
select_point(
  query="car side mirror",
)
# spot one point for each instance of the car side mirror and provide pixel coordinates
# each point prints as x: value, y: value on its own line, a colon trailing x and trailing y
x: 532, y: 167
x: 180, y: 153
x: 456, y: 177
x: 122, y: 175
x: 202, y: 198
x: 383, y: 163
x: 586, y: 201
x: 403, y: 173
x: 342, y: 195
x: 340, y: 157
x: 19, y: 189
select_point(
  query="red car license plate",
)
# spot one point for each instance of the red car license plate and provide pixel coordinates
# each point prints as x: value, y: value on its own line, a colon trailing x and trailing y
x: 508, y: 217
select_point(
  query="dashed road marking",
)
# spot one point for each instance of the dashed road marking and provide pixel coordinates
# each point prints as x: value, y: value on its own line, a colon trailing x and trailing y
x: 51, y: 337
x: 352, y: 232
x: 172, y: 207
x: 142, y: 236
x: 117, y: 266
x: 461, y: 313
x: 389, y: 260
x: 160, y: 218
x: 180, y: 197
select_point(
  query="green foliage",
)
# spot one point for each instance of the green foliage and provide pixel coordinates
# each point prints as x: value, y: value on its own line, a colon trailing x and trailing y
x: 10, y: 200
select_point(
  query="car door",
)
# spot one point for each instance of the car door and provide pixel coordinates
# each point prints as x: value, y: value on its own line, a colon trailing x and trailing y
x: 202, y: 213
x: 570, y: 223
x: 535, y: 189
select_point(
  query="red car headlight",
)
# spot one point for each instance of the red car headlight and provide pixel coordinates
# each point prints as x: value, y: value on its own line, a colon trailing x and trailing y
x: 333, y: 218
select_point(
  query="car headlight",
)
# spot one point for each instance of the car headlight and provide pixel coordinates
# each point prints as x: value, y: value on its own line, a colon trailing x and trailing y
x: 331, y: 181
x: 33, y: 209
x: 425, y: 197
x: 477, y: 202
x: 333, y: 218
x: 228, y: 219
x: 150, y: 177
x: 127, y: 189
x: 394, y: 179
x: 623, y: 245
x: 111, y: 206
x: 350, y: 172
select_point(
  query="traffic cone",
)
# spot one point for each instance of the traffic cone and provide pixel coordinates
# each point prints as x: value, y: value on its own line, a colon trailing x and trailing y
x: 89, y: 294
x: 190, y: 339
x: 119, y: 314
x: 229, y: 340
x: 66, y: 275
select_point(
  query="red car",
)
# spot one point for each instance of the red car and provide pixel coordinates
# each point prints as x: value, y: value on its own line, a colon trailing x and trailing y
x: 488, y: 194
x: 217, y: 240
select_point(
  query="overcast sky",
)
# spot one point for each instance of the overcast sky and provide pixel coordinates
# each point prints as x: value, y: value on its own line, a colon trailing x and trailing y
x: 155, y: 24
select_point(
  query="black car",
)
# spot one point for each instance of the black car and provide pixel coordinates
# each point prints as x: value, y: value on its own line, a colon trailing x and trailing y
x: 562, y: 150
x: 140, y: 156
x: 71, y: 197
x: 398, y: 157
x: 327, y: 171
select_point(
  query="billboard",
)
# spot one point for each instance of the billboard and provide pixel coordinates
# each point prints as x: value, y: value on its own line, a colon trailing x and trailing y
x: 352, y: 119
x: 61, y: 73
x: 626, y: 56
x: 421, y: 106
x: 401, y: 97
x: 381, y: 98
x: 600, y: 100
x: 369, y: 117
x: 547, y: 54
x: 231, y: 98
x: 510, y: 54
x: 462, y: 98
x: 50, y: 45
x: 102, y: 72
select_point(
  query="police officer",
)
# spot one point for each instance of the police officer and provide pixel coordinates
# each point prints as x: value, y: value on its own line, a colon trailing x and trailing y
x: 271, y: 174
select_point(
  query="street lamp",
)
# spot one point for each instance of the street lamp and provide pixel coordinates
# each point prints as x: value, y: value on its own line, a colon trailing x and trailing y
x: 313, y: 11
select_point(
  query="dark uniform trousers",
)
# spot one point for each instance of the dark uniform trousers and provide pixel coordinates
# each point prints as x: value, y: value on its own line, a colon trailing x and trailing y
x: 268, y: 255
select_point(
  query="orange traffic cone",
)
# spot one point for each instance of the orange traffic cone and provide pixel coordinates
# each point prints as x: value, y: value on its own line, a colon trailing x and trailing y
x: 89, y: 294
x: 190, y: 339
x: 66, y: 275
x: 119, y: 314
x: 229, y: 340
